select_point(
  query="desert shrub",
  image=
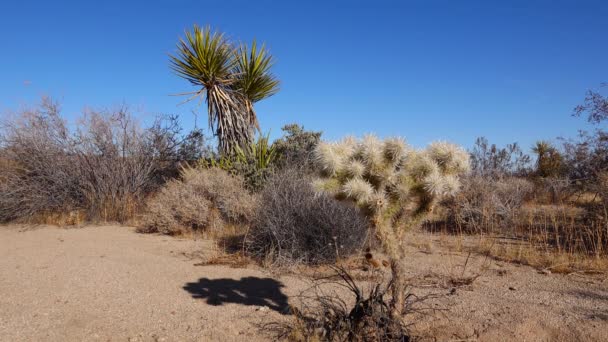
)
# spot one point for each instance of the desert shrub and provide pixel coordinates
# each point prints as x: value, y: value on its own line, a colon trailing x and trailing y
x: 202, y: 199
x: 173, y: 148
x: 296, y: 147
x: 553, y: 190
x: 489, y: 160
x: 294, y: 223
x: 104, y: 167
x: 177, y: 208
x: 488, y: 205
x: 254, y: 162
x: 325, y: 316
x: 225, y: 191
x: 549, y: 161
x: 38, y: 176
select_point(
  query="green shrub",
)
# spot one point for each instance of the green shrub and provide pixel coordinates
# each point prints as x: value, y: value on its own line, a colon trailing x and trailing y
x: 253, y: 162
x: 296, y: 147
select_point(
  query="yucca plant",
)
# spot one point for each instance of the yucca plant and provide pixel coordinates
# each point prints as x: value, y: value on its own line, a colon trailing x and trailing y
x: 548, y: 159
x: 253, y: 77
x: 261, y: 152
x: 231, y: 78
x: 254, y: 161
x: 396, y: 185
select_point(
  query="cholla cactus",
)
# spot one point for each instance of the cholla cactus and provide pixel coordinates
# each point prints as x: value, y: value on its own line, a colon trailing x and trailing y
x: 389, y: 176
x: 395, y: 184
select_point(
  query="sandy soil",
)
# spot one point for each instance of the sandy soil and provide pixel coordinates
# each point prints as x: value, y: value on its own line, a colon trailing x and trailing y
x: 107, y: 283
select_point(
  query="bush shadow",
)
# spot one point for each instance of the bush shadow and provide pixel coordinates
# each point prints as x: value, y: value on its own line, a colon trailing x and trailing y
x: 246, y: 291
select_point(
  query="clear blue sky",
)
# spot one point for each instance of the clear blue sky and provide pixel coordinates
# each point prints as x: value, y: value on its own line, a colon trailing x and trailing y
x: 426, y: 70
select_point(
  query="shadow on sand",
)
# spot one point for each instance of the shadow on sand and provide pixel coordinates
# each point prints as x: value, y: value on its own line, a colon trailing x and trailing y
x: 247, y: 291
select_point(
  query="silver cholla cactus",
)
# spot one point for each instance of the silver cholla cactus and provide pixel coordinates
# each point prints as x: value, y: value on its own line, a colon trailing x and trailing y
x: 389, y: 179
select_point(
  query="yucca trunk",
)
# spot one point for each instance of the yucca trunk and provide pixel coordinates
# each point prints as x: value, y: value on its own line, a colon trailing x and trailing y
x: 233, y: 128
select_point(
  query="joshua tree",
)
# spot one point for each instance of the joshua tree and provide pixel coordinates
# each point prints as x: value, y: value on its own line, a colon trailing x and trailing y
x: 396, y: 186
x: 548, y: 159
x: 231, y: 78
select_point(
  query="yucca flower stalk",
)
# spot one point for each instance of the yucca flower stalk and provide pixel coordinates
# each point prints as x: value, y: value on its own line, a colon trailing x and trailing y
x: 231, y: 80
x: 396, y: 185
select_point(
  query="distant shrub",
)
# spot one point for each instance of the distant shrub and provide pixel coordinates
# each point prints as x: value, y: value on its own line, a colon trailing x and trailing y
x: 294, y: 223
x: 488, y: 205
x: 296, y: 147
x: 202, y: 199
x: 489, y: 160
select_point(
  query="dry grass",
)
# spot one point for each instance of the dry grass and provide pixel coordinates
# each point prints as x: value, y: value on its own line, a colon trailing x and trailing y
x: 62, y: 219
x: 509, y: 220
x: 545, y: 260
x: 540, y: 255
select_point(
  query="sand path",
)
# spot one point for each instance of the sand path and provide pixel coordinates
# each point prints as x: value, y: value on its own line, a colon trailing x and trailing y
x: 107, y: 283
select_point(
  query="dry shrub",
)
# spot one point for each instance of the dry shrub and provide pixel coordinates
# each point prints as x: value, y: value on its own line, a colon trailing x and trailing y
x: 176, y: 208
x: 38, y: 176
x: 294, y: 223
x: 552, y: 190
x: 501, y: 208
x: 515, y: 225
x: 225, y: 191
x: 325, y: 315
x: 203, y: 199
x: 488, y: 205
x: 104, y: 167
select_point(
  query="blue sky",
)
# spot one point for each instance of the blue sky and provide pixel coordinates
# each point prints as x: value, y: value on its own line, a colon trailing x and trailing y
x: 425, y: 70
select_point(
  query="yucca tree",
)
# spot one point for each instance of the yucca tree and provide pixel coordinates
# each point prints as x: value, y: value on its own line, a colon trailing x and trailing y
x: 548, y: 159
x: 254, y: 79
x: 231, y: 80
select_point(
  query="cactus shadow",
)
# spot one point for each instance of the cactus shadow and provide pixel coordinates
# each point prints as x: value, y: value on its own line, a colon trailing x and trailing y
x: 250, y: 291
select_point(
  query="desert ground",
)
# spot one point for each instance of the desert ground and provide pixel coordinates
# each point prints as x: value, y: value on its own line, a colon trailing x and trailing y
x: 108, y: 283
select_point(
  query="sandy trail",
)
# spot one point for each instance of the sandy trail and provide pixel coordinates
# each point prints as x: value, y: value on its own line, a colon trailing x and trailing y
x: 107, y: 283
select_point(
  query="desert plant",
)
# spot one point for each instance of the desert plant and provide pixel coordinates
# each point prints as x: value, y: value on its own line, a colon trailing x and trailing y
x: 231, y: 78
x: 488, y: 206
x: 296, y: 147
x: 548, y: 159
x: 326, y: 316
x: 397, y: 187
x: 38, y: 175
x: 177, y: 208
x: 489, y: 160
x: 105, y: 166
x: 260, y: 153
x: 296, y: 224
x: 225, y: 191
x: 202, y: 199
x: 253, y: 161
x: 253, y: 77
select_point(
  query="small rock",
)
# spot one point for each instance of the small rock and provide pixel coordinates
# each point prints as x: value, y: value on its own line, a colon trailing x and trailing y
x: 545, y: 272
x: 512, y: 288
x: 262, y: 308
